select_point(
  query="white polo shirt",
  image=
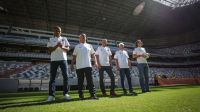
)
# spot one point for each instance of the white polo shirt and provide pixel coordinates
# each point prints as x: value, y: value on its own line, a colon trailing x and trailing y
x: 83, y: 55
x: 122, y: 57
x: 140, y: 51
x: 58, y: 54
x: 104, y: 54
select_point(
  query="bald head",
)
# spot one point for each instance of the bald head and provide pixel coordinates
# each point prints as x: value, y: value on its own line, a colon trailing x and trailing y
x: 57, y: 31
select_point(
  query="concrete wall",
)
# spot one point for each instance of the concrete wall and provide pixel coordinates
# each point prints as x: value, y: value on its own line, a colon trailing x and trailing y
x: 8, y: 85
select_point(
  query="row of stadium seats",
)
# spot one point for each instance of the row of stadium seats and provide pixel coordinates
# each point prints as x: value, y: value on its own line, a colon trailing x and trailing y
x: 182, y: 50
x: 41, y: 71
x: 43, y: 42
x: 37, y: 76
x: 20, y: 35
x: 175, y: 72
x: 41, y: 82
x: 11, y: 67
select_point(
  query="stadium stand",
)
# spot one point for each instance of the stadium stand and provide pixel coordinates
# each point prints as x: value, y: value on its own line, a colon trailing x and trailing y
x: 8, y: 68
x: 40, y: 37
x: 36, y: 76
x: 175, y: 72
x: 181, y: 50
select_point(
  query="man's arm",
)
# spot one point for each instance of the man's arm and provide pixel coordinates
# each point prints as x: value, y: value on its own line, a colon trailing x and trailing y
x: 66, y: 45
x: 94, y: 59
x: 117, y: 63
x: 136, y: 56
x: 129, y: 63
x: 110, y: 60
x: 66, y: 48
x: 51, y: 49
x: 73, y: 61
x: 98, y: 62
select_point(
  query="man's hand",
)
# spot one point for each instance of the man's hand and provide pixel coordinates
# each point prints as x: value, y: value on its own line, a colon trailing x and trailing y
x: 137, y: 56
x: 51, y: 49
x: 118, y: 68
x: 73, y: 61
x: 59, y: 45
x: 145, y: 55
x: 96, y: 65
x: 99, y: 66
x: 111, y: 66
x: 72, y: 67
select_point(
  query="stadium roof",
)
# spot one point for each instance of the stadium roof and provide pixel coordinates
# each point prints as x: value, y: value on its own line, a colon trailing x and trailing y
x: 106, y: 18
x: 177, y: 3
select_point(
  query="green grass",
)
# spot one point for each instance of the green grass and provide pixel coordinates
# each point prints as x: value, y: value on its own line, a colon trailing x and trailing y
x: 161, y: 99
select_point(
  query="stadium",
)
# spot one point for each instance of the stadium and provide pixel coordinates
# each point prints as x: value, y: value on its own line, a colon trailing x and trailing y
x: 169, y: 29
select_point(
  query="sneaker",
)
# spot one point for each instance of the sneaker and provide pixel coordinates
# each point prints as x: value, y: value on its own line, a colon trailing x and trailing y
x: 125, y: 93
x: 67, y: 97
x: 113, y: 94
x: 143, y: 91
x: 133, y: 94
x: 51, y: 98
x: 81, y: 97
x: 148, y: 91
x: 94, y: 97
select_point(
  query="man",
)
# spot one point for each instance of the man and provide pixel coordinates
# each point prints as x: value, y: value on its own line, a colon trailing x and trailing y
x: 123, y: 64
x: 83, y: 53
x: 58, y: 47
x: 141, y: 55
x: 104, y: 60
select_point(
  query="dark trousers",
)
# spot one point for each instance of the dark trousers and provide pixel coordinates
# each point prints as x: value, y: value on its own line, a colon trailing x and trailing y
x: 143, y: 76
x: 108, y: 69
x: 85, y: 72
x: 126, y: 72
x: 53, y: 72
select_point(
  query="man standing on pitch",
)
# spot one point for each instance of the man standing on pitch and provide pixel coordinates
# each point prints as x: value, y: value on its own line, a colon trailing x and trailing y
x: 83, y: 52
x: 123, y: 64
x: 58, y: 47
x: 141, y: 55
x: 104, y: 60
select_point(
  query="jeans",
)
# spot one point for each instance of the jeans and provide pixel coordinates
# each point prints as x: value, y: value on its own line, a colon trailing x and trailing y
x: 143, y: 76
x: 87, y: 72
x: 126, y: 72
x: 53, y: 72
x: 108, y: 69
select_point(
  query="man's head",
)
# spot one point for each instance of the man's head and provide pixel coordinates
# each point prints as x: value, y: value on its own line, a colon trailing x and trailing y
x: 57, y: 31
x: 82, y: 38
x: 121, y: 46
x: 104, y: 42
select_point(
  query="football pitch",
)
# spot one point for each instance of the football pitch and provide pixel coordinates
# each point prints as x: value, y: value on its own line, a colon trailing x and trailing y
x: 184, y: 98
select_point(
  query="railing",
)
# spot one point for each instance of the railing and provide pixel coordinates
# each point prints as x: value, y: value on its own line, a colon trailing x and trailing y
x: 25, y: 54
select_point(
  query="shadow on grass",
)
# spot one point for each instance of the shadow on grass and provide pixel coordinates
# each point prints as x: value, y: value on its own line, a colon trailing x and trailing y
x: 24, y: 94
x: 44, y: 102
x: 34, y: 103
x: 22, y: 102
